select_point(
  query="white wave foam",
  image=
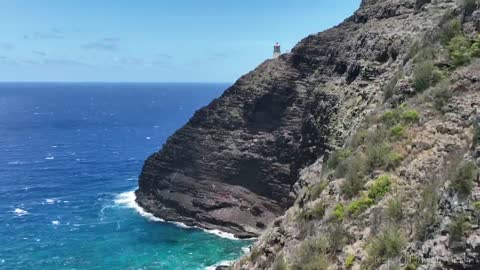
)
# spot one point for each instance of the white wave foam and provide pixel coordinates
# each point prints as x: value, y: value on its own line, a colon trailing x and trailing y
x: 15, y: 163
x: 50, y: 201
x: 56, y: 222
x: 20, y: 212
x: 127, y: 199
x: 50, y: 158
x: 213, y: 267
x: 221, y: 234
x: 148, y: 138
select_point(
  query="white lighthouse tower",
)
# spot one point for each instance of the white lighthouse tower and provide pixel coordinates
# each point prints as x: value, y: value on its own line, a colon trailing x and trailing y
x: 276, y: 51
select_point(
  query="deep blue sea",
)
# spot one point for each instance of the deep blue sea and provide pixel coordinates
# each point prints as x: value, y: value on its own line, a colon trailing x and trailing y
x: 70, y: 155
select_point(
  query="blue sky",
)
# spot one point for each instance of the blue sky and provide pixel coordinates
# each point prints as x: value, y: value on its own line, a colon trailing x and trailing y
x: 153, y: 40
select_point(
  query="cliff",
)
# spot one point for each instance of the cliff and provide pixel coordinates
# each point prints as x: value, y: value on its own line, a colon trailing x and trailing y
x: 377, y: 113
x: 402, y: 190
x: 234, y: 164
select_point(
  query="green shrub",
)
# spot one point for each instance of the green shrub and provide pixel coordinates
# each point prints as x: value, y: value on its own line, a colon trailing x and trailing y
x: 388, y: 90
x: 459, y: 226
x: 469, y: 7
x: 459, y: 50
x: 476, y: 210
x: 427, y: 53
x: 359, y: 138
x: 397, y: 131
x: 394, y: 209
x: 412, y: 264
x: 387, y: 244
x: 393, y: 160
x: 449, y: 30
x: 317, y: 189
x: 476, y: 135
x: 437, y: 76
x: 349, y: 260
x: 376, y: 136
x: 379, y: 187
x: 440, y: 95
x: 337, y: 157
x: 381, y: 156
x: 476, y: 205
x: 354, y: 175
x: 391, y: 118
x: 336, y: 236
x: 464, y: 178
x: 377, y: 156
x: 311, y: 255
x: 410, y: 116
x: 357, y: 207
x: 427, y: 215
x: 280, y: 264
x: 339, y: 212
x: 423, y: 75
x: 318, y: 210
x: 475, y: 48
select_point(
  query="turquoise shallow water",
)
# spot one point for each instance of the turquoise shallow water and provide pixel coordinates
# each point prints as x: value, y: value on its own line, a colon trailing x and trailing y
x: 70, y: 157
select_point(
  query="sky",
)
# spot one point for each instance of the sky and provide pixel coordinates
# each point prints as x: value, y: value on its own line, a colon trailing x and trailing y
x: 153, y: 40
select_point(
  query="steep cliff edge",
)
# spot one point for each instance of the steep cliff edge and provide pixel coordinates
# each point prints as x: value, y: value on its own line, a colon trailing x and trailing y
x: 235, y: 165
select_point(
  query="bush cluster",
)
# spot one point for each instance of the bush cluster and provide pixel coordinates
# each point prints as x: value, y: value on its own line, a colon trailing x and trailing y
x: 354, y: 169
x: 427, y: 215
x: 311, y: 255
x: 459, y: 49
x: 379, y: 187
x: 349, y: 260
x: 339, y: 212
x: 476, y: 135
x: 394, y: 209
x: 449, y: 30
x: 280, y: 264
x: 441, y: 94
x: 317, y: 189
x: 375, y: 192
x: 423, y: 75
x: 386, y: 245
x: 464, y: 178
x: 402, y: 115
x: 459, y: 226
x: 462, y: 50
x: 357, y: 207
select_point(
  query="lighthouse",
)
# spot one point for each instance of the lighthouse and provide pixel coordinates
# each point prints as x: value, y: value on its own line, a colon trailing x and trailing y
x: 276, y: 51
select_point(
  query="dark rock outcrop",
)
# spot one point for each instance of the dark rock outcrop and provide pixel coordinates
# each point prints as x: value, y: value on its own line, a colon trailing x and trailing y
x: 234, y: 165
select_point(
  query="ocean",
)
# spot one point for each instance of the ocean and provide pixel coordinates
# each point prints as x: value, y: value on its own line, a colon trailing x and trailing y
x: 70, y: 156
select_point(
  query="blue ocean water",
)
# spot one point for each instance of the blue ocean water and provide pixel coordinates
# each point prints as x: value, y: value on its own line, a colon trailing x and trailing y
x: 70, y: 155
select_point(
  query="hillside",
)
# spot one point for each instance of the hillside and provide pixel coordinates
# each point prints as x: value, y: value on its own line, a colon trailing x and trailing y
x: 402, y: 191
x: 359, y: 147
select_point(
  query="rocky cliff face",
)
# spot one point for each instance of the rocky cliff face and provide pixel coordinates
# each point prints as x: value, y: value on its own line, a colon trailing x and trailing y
x: 234, y: 165
x: 402, y: 190
x: 260, y: 148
